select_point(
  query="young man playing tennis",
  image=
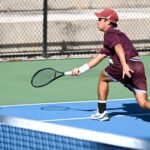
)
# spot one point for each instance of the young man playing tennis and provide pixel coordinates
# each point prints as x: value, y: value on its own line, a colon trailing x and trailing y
x: 125, y: 65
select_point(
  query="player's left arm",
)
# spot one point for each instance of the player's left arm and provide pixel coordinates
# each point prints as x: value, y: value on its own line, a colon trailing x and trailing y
x: 120, y: 53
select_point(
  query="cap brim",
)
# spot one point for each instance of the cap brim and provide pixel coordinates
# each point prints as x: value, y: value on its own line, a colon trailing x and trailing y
x: 99, y: 15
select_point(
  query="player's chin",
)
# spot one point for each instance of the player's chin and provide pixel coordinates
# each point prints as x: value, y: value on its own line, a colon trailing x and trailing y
x: 100, y: 28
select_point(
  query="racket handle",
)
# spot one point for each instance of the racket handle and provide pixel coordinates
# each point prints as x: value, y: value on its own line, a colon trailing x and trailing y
x: 67, y: 73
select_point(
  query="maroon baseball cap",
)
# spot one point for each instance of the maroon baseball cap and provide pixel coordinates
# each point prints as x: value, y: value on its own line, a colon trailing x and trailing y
x: 108, y: 14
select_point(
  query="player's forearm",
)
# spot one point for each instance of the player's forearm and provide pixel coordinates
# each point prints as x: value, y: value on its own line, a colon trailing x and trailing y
x: 120, y: 53
x: 126, y: 69
x: 92, y: 63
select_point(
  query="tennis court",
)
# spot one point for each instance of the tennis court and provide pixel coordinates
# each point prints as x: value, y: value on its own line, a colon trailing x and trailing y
x: 63, y: 35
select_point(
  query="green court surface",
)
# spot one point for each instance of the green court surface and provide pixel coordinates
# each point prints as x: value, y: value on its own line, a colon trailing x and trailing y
x: 15, y: 87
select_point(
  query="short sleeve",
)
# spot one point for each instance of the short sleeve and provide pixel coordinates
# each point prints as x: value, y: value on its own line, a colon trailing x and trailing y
x: 111, y: 39
x: 104, y: 51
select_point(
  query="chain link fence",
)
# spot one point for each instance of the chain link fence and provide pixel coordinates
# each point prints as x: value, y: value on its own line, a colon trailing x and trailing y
x: 31, y: 28
x: 21, y: 28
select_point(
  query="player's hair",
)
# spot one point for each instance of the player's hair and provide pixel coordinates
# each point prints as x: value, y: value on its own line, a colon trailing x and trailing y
x: 113, y: 24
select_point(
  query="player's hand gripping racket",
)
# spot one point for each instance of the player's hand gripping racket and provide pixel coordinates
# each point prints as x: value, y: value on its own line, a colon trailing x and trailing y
x: 45, y: 76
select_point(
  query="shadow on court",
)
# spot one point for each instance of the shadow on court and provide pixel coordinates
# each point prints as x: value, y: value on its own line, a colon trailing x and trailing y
x: 132, y: 110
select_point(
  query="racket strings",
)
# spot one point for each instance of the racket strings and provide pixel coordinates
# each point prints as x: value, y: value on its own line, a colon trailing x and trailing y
x: 43, y: 77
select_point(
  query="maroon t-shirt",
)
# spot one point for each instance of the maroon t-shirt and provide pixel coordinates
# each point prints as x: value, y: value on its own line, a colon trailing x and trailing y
x: 113, y: 37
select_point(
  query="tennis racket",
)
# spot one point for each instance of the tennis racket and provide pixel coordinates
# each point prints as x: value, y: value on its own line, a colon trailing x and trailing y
x: 45, y: 76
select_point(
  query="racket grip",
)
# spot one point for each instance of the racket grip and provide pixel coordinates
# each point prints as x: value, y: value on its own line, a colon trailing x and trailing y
x: 67, y: 73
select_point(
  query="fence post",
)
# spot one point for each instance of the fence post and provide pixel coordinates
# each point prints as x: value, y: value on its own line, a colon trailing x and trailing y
x: 45, y: 12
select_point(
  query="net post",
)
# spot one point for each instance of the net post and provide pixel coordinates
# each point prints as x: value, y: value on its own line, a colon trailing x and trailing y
x: 45, y: 12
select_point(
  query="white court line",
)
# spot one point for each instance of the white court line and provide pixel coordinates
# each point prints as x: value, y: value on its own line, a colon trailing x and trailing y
x: 148, y: 114
x: 90, y: 101
x: 66, y: 119
x: 124, y: 99
x: 84, y: 118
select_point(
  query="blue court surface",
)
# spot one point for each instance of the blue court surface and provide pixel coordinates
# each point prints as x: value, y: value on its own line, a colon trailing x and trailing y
x: 126, y: 117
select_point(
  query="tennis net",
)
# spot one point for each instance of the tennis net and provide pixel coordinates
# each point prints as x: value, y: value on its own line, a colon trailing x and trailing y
x: 22, y: 134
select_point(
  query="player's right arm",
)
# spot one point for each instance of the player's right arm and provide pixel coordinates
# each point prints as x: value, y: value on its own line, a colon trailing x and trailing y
x: 92, y: 63
x: 120, y: 53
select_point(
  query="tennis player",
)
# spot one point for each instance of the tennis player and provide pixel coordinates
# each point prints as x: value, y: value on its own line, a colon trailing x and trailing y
x: 125, y: 65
